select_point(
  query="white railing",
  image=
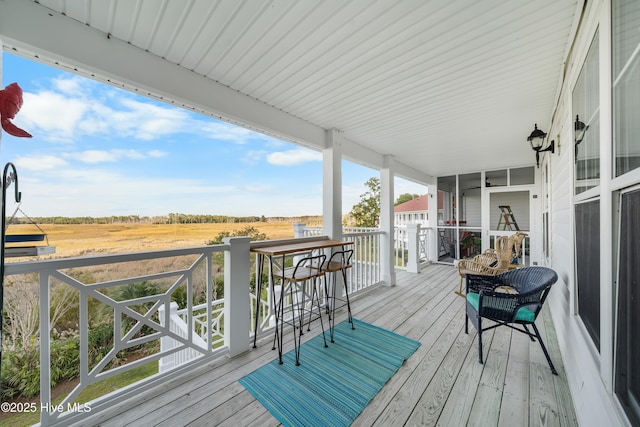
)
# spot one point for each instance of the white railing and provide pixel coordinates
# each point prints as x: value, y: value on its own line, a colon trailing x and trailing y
x: 107, y: 284
x: 423, y: 245
x: 365, y: 272
x: 366, y: 254
x: 403, y: 251
x: 400, y: 245
x: 178, y: 326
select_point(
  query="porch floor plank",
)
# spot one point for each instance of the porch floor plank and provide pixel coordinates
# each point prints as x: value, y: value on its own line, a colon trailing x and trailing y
x: 442, y: 383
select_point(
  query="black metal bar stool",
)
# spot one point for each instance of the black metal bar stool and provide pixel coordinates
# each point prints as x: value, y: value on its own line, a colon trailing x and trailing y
x: 294, y: 279
x: 339, y: 262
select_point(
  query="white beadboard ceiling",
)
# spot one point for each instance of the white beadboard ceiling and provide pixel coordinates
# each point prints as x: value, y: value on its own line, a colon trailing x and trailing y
x: 443, y: 86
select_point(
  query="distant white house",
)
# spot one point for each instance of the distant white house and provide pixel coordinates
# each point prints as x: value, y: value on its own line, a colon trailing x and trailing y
x: 412, y: 212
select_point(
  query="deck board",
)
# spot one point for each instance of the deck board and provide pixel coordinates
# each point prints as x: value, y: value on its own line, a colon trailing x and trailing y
x: 442, y: 383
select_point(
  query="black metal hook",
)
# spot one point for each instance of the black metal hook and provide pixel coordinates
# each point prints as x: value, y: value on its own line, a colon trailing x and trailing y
x: 7, y: 180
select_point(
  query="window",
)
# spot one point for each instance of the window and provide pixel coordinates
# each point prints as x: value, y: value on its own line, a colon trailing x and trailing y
x: 588, y: 266
x: 627, y: 369
x: 626, y: 85
x: 586, y: 109
x: 522, y: 176
x: 496, y: 178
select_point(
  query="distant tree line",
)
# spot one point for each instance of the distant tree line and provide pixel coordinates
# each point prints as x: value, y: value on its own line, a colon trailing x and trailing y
x: 172, y: 218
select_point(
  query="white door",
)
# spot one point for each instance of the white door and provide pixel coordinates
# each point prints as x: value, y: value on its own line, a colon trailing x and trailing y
x: 508, y: 210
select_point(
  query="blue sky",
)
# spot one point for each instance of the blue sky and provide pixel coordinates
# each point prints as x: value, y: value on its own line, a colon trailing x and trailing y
x: 98, y: 151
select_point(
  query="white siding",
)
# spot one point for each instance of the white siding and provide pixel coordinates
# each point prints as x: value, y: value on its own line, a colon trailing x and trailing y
x: 561, y: 225
x: 586, y: 369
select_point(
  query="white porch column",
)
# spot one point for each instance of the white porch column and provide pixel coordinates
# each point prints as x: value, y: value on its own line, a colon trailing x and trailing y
x: 413, y: 248
x: 332, y: 186
x: 298, y: 230
x: 237, y: 271
x: 387, y: 265
x: 433, y: 239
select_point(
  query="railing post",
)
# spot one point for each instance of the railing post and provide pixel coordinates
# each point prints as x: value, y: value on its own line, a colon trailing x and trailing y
x: 298, y: 230
x: 413, y: 248
x: 45, y: 348
x: 167, y: 363
x: 237, y: 271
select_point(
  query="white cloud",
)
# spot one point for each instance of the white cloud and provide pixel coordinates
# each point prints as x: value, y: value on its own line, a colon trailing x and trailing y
x: 74, y: 85
x: 106, y: 156
x: 48, y: 162
x: 53, y: 115
x: 294, y: 157
x: 71, y: 111
x: 40, y: 163
x: 232, y: 133
x: 147, y: 121
x: 253, y: 157
x: 74, y: 108
x: 156, y: 153
x: 93, y: 156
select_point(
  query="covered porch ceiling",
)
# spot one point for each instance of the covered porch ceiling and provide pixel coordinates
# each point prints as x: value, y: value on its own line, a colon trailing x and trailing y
x: 441, y: 86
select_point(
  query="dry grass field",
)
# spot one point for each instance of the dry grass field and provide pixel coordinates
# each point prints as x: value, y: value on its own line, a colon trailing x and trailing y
x: 88, y: 239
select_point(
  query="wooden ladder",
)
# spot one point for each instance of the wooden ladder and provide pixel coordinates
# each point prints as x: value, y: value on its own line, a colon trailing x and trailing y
x: 506, y: 215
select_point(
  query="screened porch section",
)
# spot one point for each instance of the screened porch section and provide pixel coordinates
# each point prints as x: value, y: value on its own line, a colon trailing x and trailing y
x: 476, y: 208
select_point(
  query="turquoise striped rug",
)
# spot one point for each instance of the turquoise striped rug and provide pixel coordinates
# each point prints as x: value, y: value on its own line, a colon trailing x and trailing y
x: 332, y: 385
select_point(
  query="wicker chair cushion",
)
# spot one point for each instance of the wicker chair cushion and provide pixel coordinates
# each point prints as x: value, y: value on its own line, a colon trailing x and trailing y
x: 522, y: 315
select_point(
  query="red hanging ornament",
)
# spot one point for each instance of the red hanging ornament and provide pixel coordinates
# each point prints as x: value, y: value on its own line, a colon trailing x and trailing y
x: 10, y: 104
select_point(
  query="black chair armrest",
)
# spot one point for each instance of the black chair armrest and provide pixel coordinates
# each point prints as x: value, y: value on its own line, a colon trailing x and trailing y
x: 476, y: 283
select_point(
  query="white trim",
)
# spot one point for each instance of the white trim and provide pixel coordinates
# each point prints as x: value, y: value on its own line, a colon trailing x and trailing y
x: 627, y: 180
x: 607, y: 311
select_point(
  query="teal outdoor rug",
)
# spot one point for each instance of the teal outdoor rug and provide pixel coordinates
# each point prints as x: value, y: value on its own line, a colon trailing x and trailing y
x: 332, y: 385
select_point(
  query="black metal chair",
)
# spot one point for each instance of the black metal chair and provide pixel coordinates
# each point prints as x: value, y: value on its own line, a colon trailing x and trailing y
x: 509, y: 299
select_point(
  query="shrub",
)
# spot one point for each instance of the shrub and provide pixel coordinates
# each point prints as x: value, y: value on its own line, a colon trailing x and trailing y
x: 249, y: 231
x: 20, y: 372
x: 21, y: 367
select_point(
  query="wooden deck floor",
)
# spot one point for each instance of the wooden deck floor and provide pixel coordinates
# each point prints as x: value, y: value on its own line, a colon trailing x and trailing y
x: 441, y: 384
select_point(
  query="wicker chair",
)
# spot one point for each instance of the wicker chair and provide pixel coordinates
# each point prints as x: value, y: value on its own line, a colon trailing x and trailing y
x: 489, y: 263
x: 518, y: 237
x: 509, y: 299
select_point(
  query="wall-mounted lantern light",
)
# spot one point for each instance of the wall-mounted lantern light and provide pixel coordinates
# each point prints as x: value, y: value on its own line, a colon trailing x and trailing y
x: 536, y: 139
